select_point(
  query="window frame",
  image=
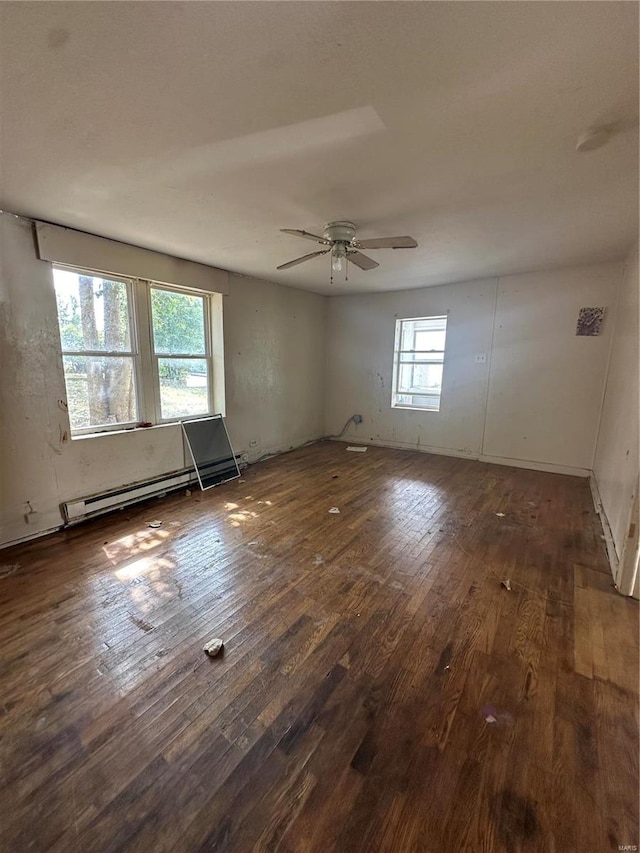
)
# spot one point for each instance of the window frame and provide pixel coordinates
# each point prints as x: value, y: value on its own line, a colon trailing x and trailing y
x: 145, y: 361
x: 208, y: 356
x: 433, y: 357
x: 133, y: 354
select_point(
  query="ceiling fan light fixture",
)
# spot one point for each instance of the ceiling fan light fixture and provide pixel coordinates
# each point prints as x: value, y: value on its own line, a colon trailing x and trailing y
x: 338, y: 254
x: 340, y: 237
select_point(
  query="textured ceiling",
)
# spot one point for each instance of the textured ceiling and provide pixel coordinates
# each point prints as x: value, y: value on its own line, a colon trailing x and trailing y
x: 201, y: 129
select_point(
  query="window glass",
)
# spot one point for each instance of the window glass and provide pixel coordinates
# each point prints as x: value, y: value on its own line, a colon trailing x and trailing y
x: 178, y: 323
x: 101, y: 390
x: 184, y: 387
x: 420, y: 378
x: 429, y: 340
x: 93, y: 312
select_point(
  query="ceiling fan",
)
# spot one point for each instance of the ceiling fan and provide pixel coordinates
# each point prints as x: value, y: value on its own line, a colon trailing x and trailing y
x: 340, y: 238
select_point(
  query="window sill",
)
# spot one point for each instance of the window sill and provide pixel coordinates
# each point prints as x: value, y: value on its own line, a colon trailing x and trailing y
x: 416, y: 408
x: 124, y: 431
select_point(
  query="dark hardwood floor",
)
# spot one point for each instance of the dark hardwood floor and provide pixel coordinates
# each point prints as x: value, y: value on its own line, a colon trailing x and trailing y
x: 379, y: 690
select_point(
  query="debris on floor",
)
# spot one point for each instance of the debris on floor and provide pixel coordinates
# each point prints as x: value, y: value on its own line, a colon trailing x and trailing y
x: 8, y: 569
x: 154, y: 524
x: 501, y: 718
x: 506, y: 583
x: 187, y: 493
x: 335, y: 476
x: 357, y: 449
x: 213, y: 647
x: 500, y: 514
x: 141, y: 623
x: 334, y: 509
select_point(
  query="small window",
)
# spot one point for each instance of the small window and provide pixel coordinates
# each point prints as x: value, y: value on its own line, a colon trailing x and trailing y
x: 418, y: 363
x: 181, y: 352
x: 98, y: 349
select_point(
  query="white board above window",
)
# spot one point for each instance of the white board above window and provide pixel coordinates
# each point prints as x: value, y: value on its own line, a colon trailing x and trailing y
x: 87, y: 251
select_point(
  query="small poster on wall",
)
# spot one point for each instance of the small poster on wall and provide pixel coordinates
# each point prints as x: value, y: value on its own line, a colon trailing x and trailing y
x: 590, y: 321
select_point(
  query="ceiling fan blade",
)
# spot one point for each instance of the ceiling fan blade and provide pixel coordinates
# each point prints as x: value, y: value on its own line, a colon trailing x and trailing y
x: 305, y: 234
x: 362, y: 261
x: 387, y: 243
x: 303, y: 259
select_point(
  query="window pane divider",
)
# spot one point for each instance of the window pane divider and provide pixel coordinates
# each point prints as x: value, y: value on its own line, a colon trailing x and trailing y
x: 203, y: 356
x: 98, y: 353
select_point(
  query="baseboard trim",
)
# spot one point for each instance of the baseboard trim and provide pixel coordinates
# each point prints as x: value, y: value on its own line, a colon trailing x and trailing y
x: 256, y: 455
x: 463, y: 453
x: 548, y: 467
x: 350, y: 438
x: 612, y: 554
x: 23, y: 539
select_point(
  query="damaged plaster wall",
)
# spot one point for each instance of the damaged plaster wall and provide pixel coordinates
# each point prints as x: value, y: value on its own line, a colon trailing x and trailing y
x: 534, y: 402
x: 274, y: 362
x: 616, y: 461
x: 31, y: 425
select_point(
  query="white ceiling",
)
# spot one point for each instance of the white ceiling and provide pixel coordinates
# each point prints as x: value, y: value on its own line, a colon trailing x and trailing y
x: 201, y: 129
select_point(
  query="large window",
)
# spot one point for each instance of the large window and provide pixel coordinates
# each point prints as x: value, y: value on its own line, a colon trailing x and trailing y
x: 418, y: 363
x: 133, y: 351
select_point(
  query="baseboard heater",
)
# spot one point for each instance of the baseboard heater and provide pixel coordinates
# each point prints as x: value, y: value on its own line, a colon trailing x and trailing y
x: 83, y: 508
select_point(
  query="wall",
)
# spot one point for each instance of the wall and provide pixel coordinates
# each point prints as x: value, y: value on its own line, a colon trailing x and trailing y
x: 274, y: 363
x: 360, y: 341
x: 535, y: 402
x: 546, y: 382
x: 274, y: 360
x: 616, y: 460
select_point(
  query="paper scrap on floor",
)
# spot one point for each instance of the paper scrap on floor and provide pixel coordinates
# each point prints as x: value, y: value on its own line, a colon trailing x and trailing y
x: 357, y: 449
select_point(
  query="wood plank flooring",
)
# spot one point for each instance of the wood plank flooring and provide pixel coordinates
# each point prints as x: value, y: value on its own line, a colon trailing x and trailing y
x: 379, y: 690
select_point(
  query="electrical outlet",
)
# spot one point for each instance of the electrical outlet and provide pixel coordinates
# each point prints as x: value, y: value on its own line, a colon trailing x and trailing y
x: 253, y: 443
x: 480, y: 358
